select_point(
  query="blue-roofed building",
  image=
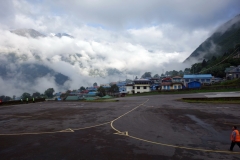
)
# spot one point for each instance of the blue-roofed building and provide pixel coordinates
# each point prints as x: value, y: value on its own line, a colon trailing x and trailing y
x: 202, y: 78
x: 91, y: 89
x: 91, y: 94
x: 194, y: 84
x: 121, y: 86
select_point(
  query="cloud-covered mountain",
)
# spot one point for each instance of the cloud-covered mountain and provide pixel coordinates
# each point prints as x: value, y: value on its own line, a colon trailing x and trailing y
x: 60, y: 35
x: 28, y: 33
x: 223, y: 39
x: 30, y: 62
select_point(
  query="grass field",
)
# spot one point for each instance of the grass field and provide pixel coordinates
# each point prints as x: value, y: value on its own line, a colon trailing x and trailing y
x: 184, y: 92
x: 213, y: 101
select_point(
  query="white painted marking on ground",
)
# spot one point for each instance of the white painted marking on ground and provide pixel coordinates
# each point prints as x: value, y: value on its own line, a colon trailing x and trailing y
x: 223, y: 94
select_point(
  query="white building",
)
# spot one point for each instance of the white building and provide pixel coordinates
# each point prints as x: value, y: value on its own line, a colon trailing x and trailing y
x: 129, y: 88
x: 141, y: 86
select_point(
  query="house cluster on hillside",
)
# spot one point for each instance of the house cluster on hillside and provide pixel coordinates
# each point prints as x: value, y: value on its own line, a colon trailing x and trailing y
x: 151, y: 84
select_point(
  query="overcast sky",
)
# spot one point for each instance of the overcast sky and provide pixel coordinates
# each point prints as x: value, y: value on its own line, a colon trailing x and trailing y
x: 134, y: 35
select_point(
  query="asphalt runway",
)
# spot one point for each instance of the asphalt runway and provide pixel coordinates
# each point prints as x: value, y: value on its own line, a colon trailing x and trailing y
x: 143, y: 127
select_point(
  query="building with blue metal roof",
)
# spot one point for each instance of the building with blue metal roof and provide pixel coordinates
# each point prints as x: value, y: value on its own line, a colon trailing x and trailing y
x: 202, y: 78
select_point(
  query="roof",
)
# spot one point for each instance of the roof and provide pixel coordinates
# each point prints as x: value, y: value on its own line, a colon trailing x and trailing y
x: 236, y: 69
x: 90, y: 98
x: 177, y: 77
x: 229, y: 68
x: 166, y: 83
x: 177, y: 83
x: 141, y: 80
x: 198, y: 76
x: 85, y: 91
x: 72, y: 98
x: 92, y: 93
x: 166, y: 79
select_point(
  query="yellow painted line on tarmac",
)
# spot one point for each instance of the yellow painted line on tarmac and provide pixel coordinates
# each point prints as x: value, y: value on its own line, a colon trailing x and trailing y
x: 124, y: 115
x: 65, y: 130
x: 91, y: 126
x: 70, y: 130
x: 232, y: 124
x: 125, y: 133
x: 33, y: 133
x: 182, y: 147
x: 13, y: 116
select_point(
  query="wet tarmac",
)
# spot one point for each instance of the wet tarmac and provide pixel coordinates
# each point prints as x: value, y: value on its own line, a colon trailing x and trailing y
x: 146, y: 127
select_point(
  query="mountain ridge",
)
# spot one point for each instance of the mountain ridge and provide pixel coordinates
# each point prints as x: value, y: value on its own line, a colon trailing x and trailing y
x: 221, y: 41
x: 35, y: 34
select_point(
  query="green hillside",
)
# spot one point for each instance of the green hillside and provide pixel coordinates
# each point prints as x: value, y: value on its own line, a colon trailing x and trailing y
x: 217, y: 65
x: 222, y: 41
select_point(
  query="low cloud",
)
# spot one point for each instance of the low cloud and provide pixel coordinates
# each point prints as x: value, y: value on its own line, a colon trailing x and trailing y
x: 113, y: 40
x: 86, y: 60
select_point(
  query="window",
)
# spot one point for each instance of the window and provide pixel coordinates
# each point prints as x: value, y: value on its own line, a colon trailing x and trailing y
x: 138, y: 87
x: 208, y: 80
x: 197, y: 80
x: 133, y: 87
x: 175, y: 87
x: 144, y: 87
x: 187, y: 80
x: 179, y: 86
x: 202, y: 80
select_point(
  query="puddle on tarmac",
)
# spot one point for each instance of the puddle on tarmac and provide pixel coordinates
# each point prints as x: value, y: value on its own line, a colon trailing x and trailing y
x: 202, y: 124
x: 188, y: 129
x: 5, y: 121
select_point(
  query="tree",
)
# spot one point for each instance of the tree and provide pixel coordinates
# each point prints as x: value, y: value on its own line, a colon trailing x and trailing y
x: 68, y: 91
x: 174, y: 73
x: 101, y: 91
x: 166, y: 73
x: 26, y: 95
x: 204, y: 63
x: 5, y: 98
x: 156, y: 76
x: 128, y: 80
x: 95, y: 84
x: 36, y: 95
x: 82, y: 88
x: 180, y: 73
x: 114, y: 88
x: 49, y: 92
x: 147, y: 75
x: 213, y: 58
x: 187, y: 71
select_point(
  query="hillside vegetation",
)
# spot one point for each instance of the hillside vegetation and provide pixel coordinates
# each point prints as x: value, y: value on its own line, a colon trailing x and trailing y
x: 217, y: 65
x: 221, y: 41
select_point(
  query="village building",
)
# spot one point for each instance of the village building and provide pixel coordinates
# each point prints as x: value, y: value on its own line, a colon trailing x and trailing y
x: 196, y: 80
x: 172, y: 83
x: 129, y: 88
x: 232, y: 72
x: 141, y: 86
